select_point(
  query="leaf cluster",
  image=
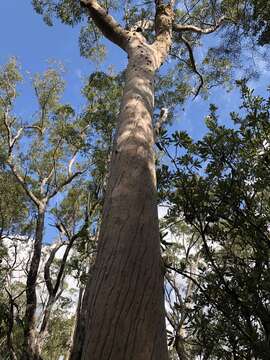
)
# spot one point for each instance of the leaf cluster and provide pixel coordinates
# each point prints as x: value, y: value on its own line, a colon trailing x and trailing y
x: 219, y: 186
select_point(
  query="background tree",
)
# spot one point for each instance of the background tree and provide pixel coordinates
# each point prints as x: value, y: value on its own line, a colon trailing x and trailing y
x: 15, y: 215
x: 219, y: 187
x: 44, y: 167
x: 75, y: 214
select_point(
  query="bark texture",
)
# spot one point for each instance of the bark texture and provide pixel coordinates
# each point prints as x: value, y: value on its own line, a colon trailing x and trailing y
x: 125, y: 303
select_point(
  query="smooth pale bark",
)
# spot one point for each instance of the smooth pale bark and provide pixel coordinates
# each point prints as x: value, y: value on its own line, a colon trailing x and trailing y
x: 125, y: 305
x: 30, y: 343
x: 122, y: 312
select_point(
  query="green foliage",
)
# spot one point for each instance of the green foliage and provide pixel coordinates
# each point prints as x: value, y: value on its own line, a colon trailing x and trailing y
x: 224, y: 199
x: 54, y: 135
x: 90, y: 43
x: 258, y: 21
x: 39, y: 159
x: 14, y: 206
x: 215, y: 67
x: 60, y: 331
x: 69, y: 11
x: 103, y: 93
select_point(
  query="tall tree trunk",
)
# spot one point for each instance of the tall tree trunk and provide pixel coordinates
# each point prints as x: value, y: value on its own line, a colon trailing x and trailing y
x: 125, y: 304
x: 43, y: 333
x: 53, y: 289
x: 10, y: 344
x: 78, y: 335
x: 30, y: 347
x: 78, y: 330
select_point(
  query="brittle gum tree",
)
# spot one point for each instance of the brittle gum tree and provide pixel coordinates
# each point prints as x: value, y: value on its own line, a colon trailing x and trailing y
x: 41, y: 156
x: 124, y: 300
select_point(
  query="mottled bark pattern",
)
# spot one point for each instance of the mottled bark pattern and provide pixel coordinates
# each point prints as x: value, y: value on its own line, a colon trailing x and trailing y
x: 124, y: 303
x: 125, y: 298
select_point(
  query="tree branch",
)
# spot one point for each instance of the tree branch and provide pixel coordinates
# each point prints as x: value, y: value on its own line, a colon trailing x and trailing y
x: 71, y: 162
x: 163, y: 27
x: 198, y: 30
x: 65, y: 182
x: 45, y: 181
x: 23, y: 183
x: 193, y: 64
x: 47, y: 274
x: 164, y: 18
x: 109, y: 27
x: 162, y: 119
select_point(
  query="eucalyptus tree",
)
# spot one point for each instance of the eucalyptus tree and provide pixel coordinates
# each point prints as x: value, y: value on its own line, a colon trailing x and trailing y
x: 75, y: 214
x: 125, y: 305
x: 15, y: 215
x: 42, y: 156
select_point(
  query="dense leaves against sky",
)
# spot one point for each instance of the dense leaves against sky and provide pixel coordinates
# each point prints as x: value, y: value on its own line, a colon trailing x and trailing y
x: 219, y: 186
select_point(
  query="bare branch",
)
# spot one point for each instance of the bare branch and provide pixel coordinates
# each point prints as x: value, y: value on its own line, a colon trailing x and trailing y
x: 47, y: 276
x: 15, y: 138
x: 198, y: 30
x: 23, y: 183
x: 8, y: 129
x: 34, y: 127
x: 192, y: 64
x: 67, y: 181
x: 107, y: 24
x: 71, y: 162
x: 45, y: 181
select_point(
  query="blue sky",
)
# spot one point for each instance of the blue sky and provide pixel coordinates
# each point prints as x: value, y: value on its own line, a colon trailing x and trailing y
x: 26, y: 36
x: 33, y: 43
